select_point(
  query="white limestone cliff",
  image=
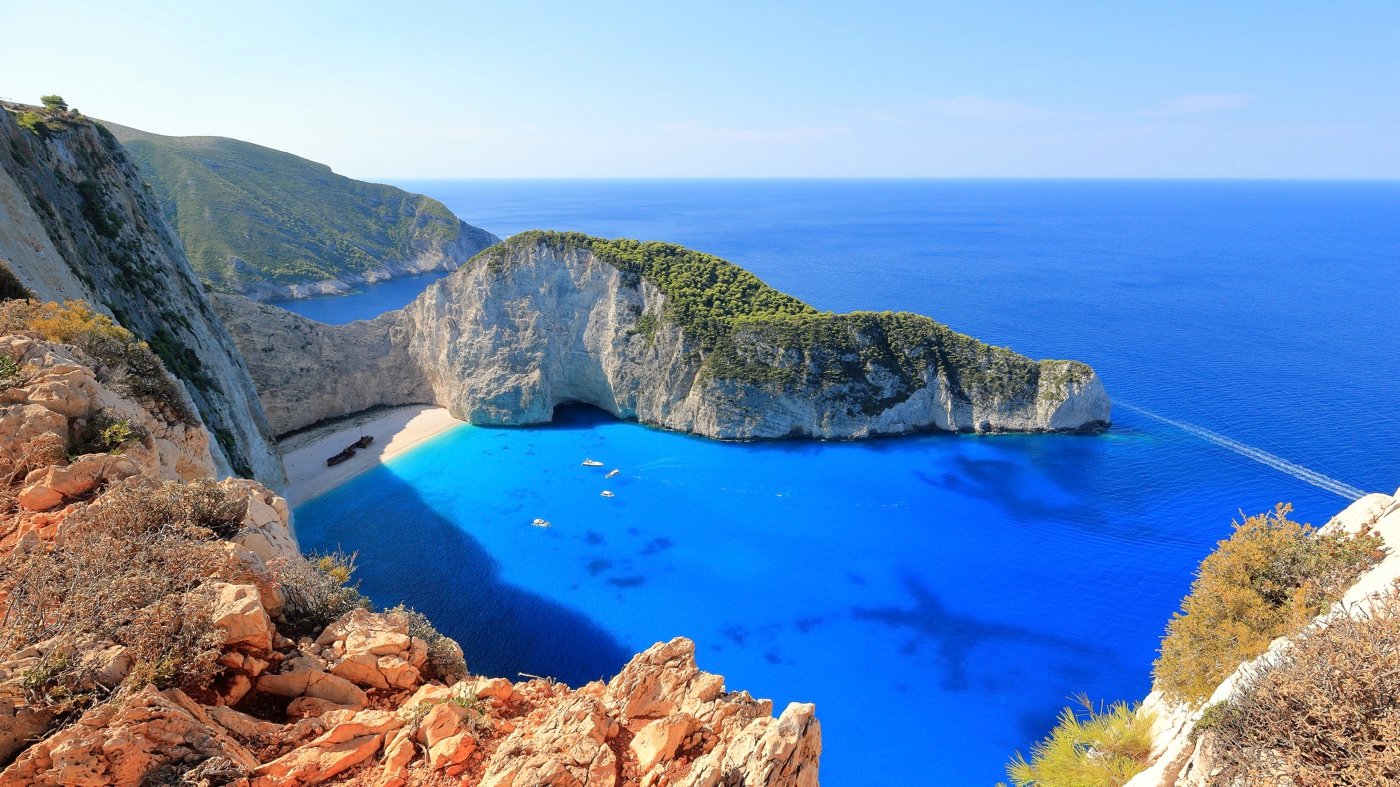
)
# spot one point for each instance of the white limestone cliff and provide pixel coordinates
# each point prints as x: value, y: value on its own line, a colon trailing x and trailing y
x: 535, y: 323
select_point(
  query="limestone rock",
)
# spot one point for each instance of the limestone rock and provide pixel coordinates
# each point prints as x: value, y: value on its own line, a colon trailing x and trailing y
x: 303, y: 679
x: 351, y: 741
x: 124, y: 742
x: 534, y: 322
x: 375, y: 650
x: 237, y: 611
x: 565, y: 744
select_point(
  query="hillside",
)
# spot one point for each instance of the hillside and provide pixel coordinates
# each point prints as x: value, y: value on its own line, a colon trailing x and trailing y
x: 269, y: 224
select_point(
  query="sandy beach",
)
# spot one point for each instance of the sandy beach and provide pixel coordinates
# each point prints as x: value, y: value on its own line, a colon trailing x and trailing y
x: 395, y: 430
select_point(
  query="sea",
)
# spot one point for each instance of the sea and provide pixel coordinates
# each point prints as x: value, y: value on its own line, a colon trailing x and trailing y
x: 938, y: 597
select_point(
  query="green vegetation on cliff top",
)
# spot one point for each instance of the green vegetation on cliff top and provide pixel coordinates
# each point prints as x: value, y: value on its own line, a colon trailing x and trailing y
x: 288, y: 219
x: 750, y: 332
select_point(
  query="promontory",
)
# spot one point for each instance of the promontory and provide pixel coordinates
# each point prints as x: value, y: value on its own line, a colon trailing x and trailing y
x: 656, y: 333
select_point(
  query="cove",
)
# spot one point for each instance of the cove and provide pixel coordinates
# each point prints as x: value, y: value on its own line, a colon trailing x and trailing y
x: 938, y: 597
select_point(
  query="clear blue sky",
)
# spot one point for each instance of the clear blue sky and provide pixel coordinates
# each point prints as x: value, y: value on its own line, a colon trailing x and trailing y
x: 742, y: 89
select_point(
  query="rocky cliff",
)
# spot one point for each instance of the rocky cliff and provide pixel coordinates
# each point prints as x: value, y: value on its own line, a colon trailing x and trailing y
x: 267, y: 224
x: 76, y: 221
x: 662, y: 335
x: 160, y: 628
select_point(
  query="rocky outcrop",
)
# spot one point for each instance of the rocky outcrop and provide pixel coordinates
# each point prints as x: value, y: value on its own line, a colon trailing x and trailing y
x: 374, y: 697
x: 1180, y: 757
x: 77, y: 222
x: 546, y: 319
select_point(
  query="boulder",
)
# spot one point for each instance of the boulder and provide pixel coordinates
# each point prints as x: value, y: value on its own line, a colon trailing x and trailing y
x: 659, y: 740
x: 354, y: 738
x: 303, y: 679
x: 237, y: 611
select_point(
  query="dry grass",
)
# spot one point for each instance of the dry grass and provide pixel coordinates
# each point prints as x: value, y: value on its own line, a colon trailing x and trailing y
x: 1327, y: 712
x: 122, y: 574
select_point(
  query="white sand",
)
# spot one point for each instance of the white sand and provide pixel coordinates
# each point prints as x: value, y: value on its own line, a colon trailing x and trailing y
x: 395, y: 430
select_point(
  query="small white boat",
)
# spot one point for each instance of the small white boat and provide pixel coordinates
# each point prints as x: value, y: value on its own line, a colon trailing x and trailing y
x: 612, y: 473
x: 606, y: 493
x: 540, y: 523
x: 592, y: 463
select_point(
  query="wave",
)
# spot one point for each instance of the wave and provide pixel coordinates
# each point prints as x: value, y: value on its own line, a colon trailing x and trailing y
x: 1259, y: 455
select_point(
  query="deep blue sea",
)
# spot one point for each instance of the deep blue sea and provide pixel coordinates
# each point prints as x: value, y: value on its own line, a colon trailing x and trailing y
x: 938, y: 597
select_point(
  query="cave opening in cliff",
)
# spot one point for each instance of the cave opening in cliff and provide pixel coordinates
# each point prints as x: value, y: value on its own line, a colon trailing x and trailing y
x: 580, y: 415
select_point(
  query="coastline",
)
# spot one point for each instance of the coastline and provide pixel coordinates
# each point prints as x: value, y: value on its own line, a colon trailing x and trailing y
x: 395, y: 430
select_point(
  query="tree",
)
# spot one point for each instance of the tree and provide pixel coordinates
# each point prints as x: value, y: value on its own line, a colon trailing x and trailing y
x: 54, y: 103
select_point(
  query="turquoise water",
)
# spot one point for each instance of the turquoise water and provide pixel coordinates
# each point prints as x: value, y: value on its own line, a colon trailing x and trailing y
x: 938, y: 597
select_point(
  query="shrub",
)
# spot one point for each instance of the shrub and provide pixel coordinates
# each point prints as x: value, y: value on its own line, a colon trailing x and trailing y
x: 10, y: 373
x: 318, y: 590
x: 127, y: 363
x: 1268, y: 579
x: 10, y: 285
x: 1325, y: 712
x: 121, y: 574
x: 445, y: 660
x: 1088, y: 748
x: 54, y: 103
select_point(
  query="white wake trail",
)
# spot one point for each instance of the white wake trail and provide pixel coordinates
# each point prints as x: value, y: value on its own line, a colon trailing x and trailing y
x: 1259, y: 455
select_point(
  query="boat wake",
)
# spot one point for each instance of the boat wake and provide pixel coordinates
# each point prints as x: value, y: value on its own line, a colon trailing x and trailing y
x: 1259, y: 455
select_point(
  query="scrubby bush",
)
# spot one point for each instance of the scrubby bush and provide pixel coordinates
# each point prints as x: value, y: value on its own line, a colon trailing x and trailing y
x: 126, y: 362
x: 121, y: 574
x: 1325, y: 712
x: 1088, y: 748
x: 54, y: 103
x: 318, y: 590
x: 10, y: 285
x: 445, y: 661
x: 1268, y: 579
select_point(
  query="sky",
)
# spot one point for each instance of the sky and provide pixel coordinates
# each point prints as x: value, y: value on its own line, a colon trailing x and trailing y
x: 762, y: 88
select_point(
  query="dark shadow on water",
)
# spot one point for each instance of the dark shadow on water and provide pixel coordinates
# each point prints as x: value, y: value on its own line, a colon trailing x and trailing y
x: 408, y: 553
x: 954, y: 636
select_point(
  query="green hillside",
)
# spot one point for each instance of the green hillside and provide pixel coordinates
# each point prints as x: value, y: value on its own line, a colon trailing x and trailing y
x: 255, y: 220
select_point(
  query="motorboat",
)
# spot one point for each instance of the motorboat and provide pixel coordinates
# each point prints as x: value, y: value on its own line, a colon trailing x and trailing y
x: 540, y: 523
x: 612, y: 473
x: 606, y: 493
x: 592, y: 463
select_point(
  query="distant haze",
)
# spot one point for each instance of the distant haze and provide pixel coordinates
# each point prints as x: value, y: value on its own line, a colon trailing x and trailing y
x: 742, y: 89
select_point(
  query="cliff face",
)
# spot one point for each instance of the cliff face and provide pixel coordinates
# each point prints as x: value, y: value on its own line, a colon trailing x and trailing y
x: 148, y: 639
x: 312, y: 372
x: 77, y: 222
x: 547, y: 319
x: 267, y: 224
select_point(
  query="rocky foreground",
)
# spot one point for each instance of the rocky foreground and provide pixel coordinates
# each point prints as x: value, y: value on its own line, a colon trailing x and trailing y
x: 657, y: 334
x: 206, y: 684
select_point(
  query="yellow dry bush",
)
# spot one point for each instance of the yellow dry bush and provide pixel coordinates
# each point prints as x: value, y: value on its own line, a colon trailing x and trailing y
x: 1268, y: 579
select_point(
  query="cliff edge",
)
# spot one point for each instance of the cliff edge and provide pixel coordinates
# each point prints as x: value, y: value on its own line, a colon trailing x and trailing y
x: 76, y: 222
x: 655, y: 333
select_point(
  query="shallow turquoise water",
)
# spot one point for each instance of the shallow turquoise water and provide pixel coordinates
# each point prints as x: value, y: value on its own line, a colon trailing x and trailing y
x: 938, y: 597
